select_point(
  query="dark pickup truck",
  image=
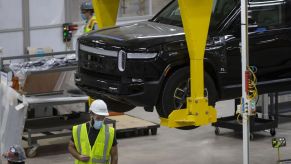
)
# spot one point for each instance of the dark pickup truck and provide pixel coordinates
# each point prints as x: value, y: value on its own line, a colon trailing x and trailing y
x: 147, y: 63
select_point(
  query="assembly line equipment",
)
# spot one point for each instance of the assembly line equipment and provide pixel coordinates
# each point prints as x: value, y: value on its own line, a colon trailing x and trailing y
x: 51, y: 126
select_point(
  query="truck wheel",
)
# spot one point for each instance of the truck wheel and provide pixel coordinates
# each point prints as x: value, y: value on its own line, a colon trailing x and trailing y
x: 177, y: 90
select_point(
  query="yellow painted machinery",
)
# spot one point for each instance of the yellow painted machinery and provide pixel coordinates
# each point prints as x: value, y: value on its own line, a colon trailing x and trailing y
x: 106, y: 12
x: 196, y: 18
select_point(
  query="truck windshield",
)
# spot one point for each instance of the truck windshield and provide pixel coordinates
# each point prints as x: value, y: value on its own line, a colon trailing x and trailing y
x: 221, y: 8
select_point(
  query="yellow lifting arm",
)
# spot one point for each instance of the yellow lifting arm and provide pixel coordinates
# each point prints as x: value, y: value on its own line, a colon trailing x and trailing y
x: 196, y: 18
x: 106, y: 12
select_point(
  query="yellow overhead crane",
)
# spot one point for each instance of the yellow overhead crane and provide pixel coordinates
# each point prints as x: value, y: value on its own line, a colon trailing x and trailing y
x: 196, y: 19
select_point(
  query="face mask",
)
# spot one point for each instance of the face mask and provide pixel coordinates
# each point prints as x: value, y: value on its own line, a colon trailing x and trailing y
x: 97, y: 124
x: 83, y: 17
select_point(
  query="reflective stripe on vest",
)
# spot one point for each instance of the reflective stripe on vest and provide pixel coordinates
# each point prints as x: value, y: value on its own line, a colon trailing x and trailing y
x: 79, y: 138
x: 90, y: 24
x: 103, y: 160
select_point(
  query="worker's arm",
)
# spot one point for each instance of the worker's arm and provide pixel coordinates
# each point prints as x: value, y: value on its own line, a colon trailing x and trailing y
x: 114, y: 155
x: 72, y: 149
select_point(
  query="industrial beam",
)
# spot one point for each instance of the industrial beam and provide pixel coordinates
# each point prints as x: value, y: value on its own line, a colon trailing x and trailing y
x: 196, y: 19
x: 106, y: 12
x: 245, y: 63
x: 196, y: 16
x: 26, y: 24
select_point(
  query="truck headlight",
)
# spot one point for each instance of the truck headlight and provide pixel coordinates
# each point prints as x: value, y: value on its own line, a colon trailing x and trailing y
x: 141, y: 55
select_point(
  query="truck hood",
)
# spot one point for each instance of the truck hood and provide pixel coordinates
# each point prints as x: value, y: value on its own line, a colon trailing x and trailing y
x: 137, y: 35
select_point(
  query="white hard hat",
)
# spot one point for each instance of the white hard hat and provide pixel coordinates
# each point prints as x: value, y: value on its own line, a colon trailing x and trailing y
x: 99, y: 107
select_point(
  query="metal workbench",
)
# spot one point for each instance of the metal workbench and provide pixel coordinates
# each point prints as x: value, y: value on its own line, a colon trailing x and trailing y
x: 50, y: 126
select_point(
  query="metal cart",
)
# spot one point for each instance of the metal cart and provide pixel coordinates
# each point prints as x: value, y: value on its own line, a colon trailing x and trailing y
x: 256, y: 123
x: 52, y: 126
x: 284, y: 107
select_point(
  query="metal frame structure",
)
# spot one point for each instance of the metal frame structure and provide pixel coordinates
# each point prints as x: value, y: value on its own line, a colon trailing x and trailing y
x: 26, y: 29
x: 25, y: 24
x: 51, y: 124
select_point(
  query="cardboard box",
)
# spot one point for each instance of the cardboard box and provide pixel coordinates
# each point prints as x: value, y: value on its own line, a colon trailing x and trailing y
x: 32, y: 50
x: 40, y: 83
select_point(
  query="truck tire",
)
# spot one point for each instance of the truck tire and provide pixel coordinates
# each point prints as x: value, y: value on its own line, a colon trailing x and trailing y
x: 177, y: 89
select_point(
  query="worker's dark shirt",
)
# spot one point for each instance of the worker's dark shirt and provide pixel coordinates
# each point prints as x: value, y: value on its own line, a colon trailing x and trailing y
x: 93, y: 133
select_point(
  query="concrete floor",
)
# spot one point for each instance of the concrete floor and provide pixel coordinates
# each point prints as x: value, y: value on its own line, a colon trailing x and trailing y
x: 199, y: 146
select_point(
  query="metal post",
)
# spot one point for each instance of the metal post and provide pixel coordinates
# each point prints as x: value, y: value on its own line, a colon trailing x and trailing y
x: 150, y: 7
x: 26, y: 25
x: 245, y: 63
x: 265, y: 105
x: 68, y: 17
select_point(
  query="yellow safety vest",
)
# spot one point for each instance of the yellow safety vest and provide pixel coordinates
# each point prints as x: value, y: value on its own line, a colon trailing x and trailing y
x: 90, y: 24
x: 100, y: 152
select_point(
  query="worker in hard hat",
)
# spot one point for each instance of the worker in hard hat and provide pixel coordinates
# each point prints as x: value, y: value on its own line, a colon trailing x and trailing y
x: 87, y: 14
x: 94, y: 141
x: 15, y: 155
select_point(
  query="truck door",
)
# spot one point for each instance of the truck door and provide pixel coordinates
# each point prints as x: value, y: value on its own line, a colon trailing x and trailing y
x: 269, y: 38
